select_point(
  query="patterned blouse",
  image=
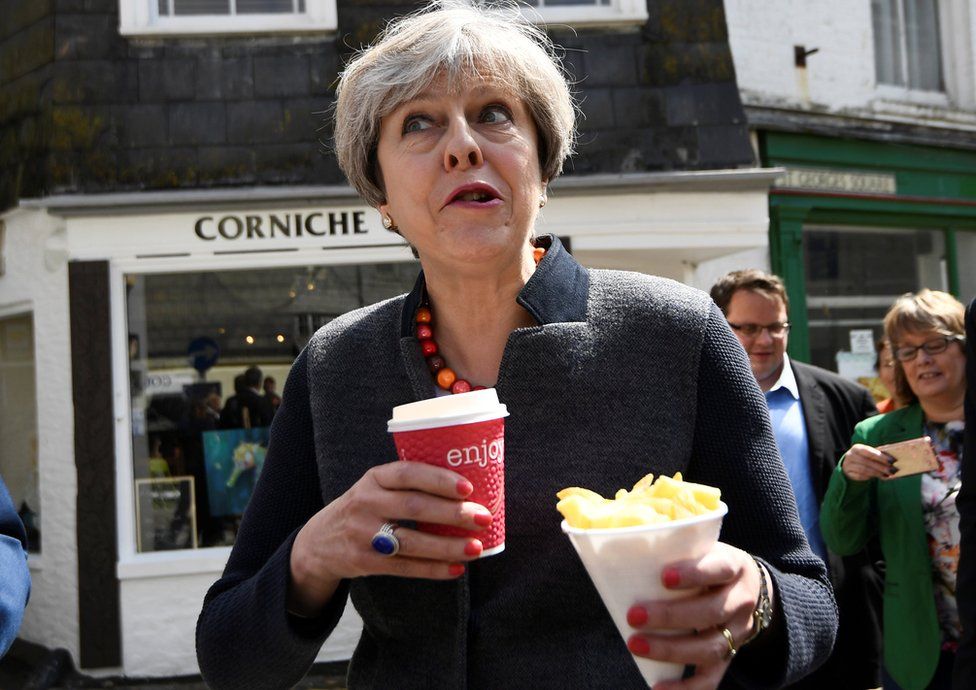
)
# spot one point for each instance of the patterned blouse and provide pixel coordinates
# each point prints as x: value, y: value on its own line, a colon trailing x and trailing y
x: 939, y: 490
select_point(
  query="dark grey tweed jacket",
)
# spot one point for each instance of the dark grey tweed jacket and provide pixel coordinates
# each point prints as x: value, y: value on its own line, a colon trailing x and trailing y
x: 625, y: 374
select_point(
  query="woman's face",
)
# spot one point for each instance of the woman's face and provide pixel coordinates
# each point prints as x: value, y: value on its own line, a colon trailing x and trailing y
x: 461, y: 173
x: 934, y: 376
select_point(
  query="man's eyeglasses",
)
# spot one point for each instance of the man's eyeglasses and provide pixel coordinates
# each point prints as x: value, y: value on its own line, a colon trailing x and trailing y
x: 778, y: 329
x: 931, y: 347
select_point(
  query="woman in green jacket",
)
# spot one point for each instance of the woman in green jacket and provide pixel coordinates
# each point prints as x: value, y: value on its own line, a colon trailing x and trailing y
x: 915, y: 515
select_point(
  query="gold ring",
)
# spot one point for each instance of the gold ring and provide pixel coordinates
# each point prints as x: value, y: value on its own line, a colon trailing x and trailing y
x: 731, y: 641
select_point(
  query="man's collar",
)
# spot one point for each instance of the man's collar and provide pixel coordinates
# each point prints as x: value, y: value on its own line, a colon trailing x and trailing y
x: 787, y: 380
x: 555, y: 293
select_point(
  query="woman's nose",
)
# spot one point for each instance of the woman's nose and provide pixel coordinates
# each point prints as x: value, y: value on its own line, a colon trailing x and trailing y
x: 461, y: 150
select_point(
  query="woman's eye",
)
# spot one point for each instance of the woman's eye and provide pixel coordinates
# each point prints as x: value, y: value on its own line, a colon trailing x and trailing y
x: 415, y: 123
x: 495, y: 114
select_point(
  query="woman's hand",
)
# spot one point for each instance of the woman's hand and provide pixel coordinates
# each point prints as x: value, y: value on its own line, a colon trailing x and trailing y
x: 729, y: 582
x: 863, y: 462
x: 335, y: 543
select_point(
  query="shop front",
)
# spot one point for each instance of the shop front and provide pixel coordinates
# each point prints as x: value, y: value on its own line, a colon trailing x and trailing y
x: 853, y: 225
x: 176, y: 317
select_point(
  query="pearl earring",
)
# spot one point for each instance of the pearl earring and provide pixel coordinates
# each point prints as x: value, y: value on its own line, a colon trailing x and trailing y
x: 542, y: 200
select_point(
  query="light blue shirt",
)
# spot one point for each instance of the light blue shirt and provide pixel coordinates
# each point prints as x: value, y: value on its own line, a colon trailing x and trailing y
x: 790, y: 429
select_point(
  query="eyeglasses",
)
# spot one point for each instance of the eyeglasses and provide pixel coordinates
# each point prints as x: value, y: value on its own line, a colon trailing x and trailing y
x: 931, y: 347
x: 777, y: 330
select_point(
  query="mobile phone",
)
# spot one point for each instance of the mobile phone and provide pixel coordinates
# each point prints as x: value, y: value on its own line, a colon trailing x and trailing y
x: 914, y: 456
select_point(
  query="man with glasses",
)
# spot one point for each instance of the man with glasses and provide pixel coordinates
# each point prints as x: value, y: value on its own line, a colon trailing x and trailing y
x: 813, y: 413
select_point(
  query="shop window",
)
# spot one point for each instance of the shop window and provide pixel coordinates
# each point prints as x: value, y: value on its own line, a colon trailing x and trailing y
x: 209, y: 353
x: 853, y: 275
x: 18, y: 423
x: 225, y: 16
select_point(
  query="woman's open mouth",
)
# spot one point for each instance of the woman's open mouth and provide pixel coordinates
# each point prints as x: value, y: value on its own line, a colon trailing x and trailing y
x: 474, y: 196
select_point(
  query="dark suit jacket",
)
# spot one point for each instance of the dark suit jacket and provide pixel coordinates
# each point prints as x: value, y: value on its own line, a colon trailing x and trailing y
x: 529, y: 618
x: 964, y: 675
x: 832, y: 406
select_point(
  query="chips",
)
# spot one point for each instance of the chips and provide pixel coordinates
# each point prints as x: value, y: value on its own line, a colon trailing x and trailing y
x: 647, y: 503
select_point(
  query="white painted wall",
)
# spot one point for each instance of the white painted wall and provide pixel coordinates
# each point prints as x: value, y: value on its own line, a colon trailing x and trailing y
x: 36, y: 280
x: 762, y: 35
x: 159, y: 616
x: 840, y: 78
x: 707, y: 272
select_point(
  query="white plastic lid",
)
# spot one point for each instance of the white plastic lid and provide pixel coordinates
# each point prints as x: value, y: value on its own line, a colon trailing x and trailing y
x: 448, y: 410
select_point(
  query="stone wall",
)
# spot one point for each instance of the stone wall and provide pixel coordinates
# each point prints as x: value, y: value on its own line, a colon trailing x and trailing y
x: 99, y: 112
x: 26, y: 66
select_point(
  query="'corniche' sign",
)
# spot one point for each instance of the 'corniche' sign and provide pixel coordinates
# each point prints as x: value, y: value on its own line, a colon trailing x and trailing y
x: 232, y: 227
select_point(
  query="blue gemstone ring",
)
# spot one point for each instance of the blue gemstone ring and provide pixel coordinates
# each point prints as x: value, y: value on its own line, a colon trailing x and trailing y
x: 385, y: 542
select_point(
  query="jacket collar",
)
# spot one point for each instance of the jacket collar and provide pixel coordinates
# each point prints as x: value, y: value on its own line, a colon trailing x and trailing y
x: 556, y: 292
x: 787, y: 380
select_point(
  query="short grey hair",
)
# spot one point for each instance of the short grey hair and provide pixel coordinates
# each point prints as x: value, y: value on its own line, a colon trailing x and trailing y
x: 456, y: 40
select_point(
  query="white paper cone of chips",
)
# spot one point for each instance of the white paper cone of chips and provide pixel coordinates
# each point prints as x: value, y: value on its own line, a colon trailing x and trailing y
x: 625, y: 564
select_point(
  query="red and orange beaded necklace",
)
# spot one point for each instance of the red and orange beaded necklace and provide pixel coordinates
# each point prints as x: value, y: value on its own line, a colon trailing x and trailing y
x: 443, y: 374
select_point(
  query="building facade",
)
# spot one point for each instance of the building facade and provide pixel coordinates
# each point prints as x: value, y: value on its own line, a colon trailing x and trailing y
x: 871, y: 109
x: 170, y: 216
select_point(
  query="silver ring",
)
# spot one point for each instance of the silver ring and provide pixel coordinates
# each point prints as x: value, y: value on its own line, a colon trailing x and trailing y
x: 385, y: 541
x: 730, y: 654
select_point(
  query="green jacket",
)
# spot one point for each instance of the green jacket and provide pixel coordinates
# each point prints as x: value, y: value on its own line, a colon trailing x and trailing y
x: 851, y: 513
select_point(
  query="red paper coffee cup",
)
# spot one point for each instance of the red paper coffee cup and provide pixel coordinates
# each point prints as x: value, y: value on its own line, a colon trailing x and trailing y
x: 464, y: 433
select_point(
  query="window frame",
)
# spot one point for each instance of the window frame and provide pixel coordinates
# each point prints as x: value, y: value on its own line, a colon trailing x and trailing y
x: 957, y: 25
x: 617, y: 12
x: 16, y: 310
x: 141, y: 18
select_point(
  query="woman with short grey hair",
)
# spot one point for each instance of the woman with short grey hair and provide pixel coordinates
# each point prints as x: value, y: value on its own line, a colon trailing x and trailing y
x: 452, y: 125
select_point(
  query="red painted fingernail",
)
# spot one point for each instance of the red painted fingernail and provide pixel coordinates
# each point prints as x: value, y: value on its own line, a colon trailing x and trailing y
x: 638, y: 645
x: 473, y: 548
x: 455, y: 569
x: 464, y: 487
x: 482, y: 519
x: 671, y: 577
x: 637, y: 616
